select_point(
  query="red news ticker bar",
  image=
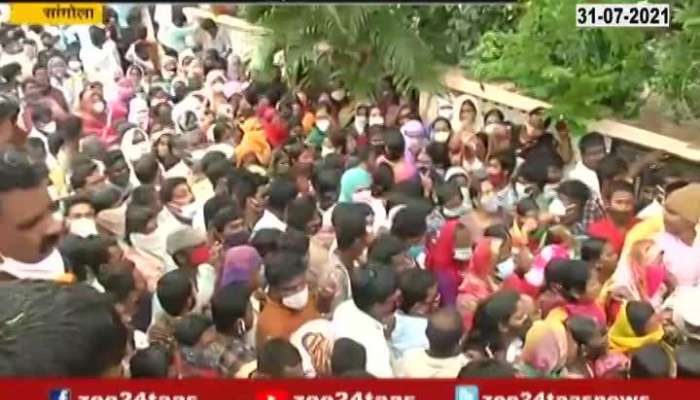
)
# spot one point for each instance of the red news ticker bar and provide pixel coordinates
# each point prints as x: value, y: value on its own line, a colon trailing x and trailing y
x: 347, y: 389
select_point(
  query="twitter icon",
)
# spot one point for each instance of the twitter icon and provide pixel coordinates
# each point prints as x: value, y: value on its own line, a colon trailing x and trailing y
x: 59, y: 394
x: 470, y: 392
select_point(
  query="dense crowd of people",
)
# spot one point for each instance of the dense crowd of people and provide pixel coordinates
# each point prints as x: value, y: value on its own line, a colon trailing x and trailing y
x: 164, y: 213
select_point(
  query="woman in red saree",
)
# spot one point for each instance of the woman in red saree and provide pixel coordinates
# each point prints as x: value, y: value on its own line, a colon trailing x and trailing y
x: 119, y: 106
x: 479, y: 280
x: 449, y: 256
x: 96, y: 117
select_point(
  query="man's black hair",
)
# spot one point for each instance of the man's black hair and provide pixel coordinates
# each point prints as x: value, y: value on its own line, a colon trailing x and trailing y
x: 487, y: 368
x: 167, y: 189
x: 610, y: 167
x: 151, y: 362
x: 576, y: 191
x: 688, y: 361
x: 394, y: 143
x: 189, y: 329
x: 384, y: 247
x: 348, y: 355
x: 350, y: 223
x: 591, y: 141
x: 649, y: 362
x: 117, y: 279
x: 223, y: 217
x: 414, y: 285
x: 52, y: 330
x: 617, y: 186
x: 174, y: 291
x: 300, y: 212
x: 266, y: 240
x: 146, y: 169
x: 409, y: 222
x: 16, y: 171
x: 372, y: 285
x: 229, y: 304
x: 282, y: 191
x: 276, y: 355
x: 283, y: 266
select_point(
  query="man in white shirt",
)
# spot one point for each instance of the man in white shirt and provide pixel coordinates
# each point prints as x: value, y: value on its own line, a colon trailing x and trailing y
x: 363, y: 319
x: 282, y: 192
x: 592, y: 149
x: 444, y: 358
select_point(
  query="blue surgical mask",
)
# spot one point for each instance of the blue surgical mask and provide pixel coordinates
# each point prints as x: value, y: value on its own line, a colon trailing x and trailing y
x: 416, y: 250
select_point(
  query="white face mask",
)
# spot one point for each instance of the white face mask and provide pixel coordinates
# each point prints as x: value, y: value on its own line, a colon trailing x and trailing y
x: 189, y: 210
x: 466, y: 197
x: 82, y: 227
x: 360, y: 123
x: 455, y: 212
x: 98, y: 107
x: 557, y: 208
x: 505, y: 269
x: 75, y: 65
x: 338, y: 95
x: 549, y: 191
x: 463, y: 254
x: 136, y: 151
x: 489, y: 204
x: 218, y: 87
x: 521, y: 190
x: 298, y: 300
x: 49, y: 128
x: 362, y: 196
x: 325, y: 150
x: 441, y: 136
x: 375, y: 121
x: 323, y: 124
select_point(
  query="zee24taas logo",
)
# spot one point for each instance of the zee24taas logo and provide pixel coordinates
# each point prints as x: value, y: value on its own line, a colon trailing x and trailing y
x: 465, y: 392
x: 59, y: 394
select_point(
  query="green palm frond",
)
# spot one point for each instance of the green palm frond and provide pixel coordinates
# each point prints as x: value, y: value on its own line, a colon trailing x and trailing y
x: 364, y: 42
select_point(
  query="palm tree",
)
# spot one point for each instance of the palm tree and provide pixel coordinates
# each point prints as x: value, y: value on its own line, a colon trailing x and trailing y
x: 355, y: 44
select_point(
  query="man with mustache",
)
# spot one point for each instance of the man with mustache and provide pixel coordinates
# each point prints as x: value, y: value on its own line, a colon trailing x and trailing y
x: 28, y: 230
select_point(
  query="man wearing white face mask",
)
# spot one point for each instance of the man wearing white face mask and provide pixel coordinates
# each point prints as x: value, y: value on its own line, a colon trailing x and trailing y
x: 80, y: 217
x: 289, y: 304
x: 28, y: 231
x: 43, y: 127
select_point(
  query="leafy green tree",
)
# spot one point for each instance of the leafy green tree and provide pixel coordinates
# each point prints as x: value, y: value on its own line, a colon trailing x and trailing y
x: 678, y: 69
x: 584, y: 73
x: 357, y: 45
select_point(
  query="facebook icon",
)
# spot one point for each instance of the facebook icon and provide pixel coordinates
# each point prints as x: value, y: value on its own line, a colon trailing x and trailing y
x: 59, y: 394
x: 470, y: 392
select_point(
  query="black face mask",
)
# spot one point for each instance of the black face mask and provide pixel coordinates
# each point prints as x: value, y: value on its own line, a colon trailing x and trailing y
x: 235, y: 239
